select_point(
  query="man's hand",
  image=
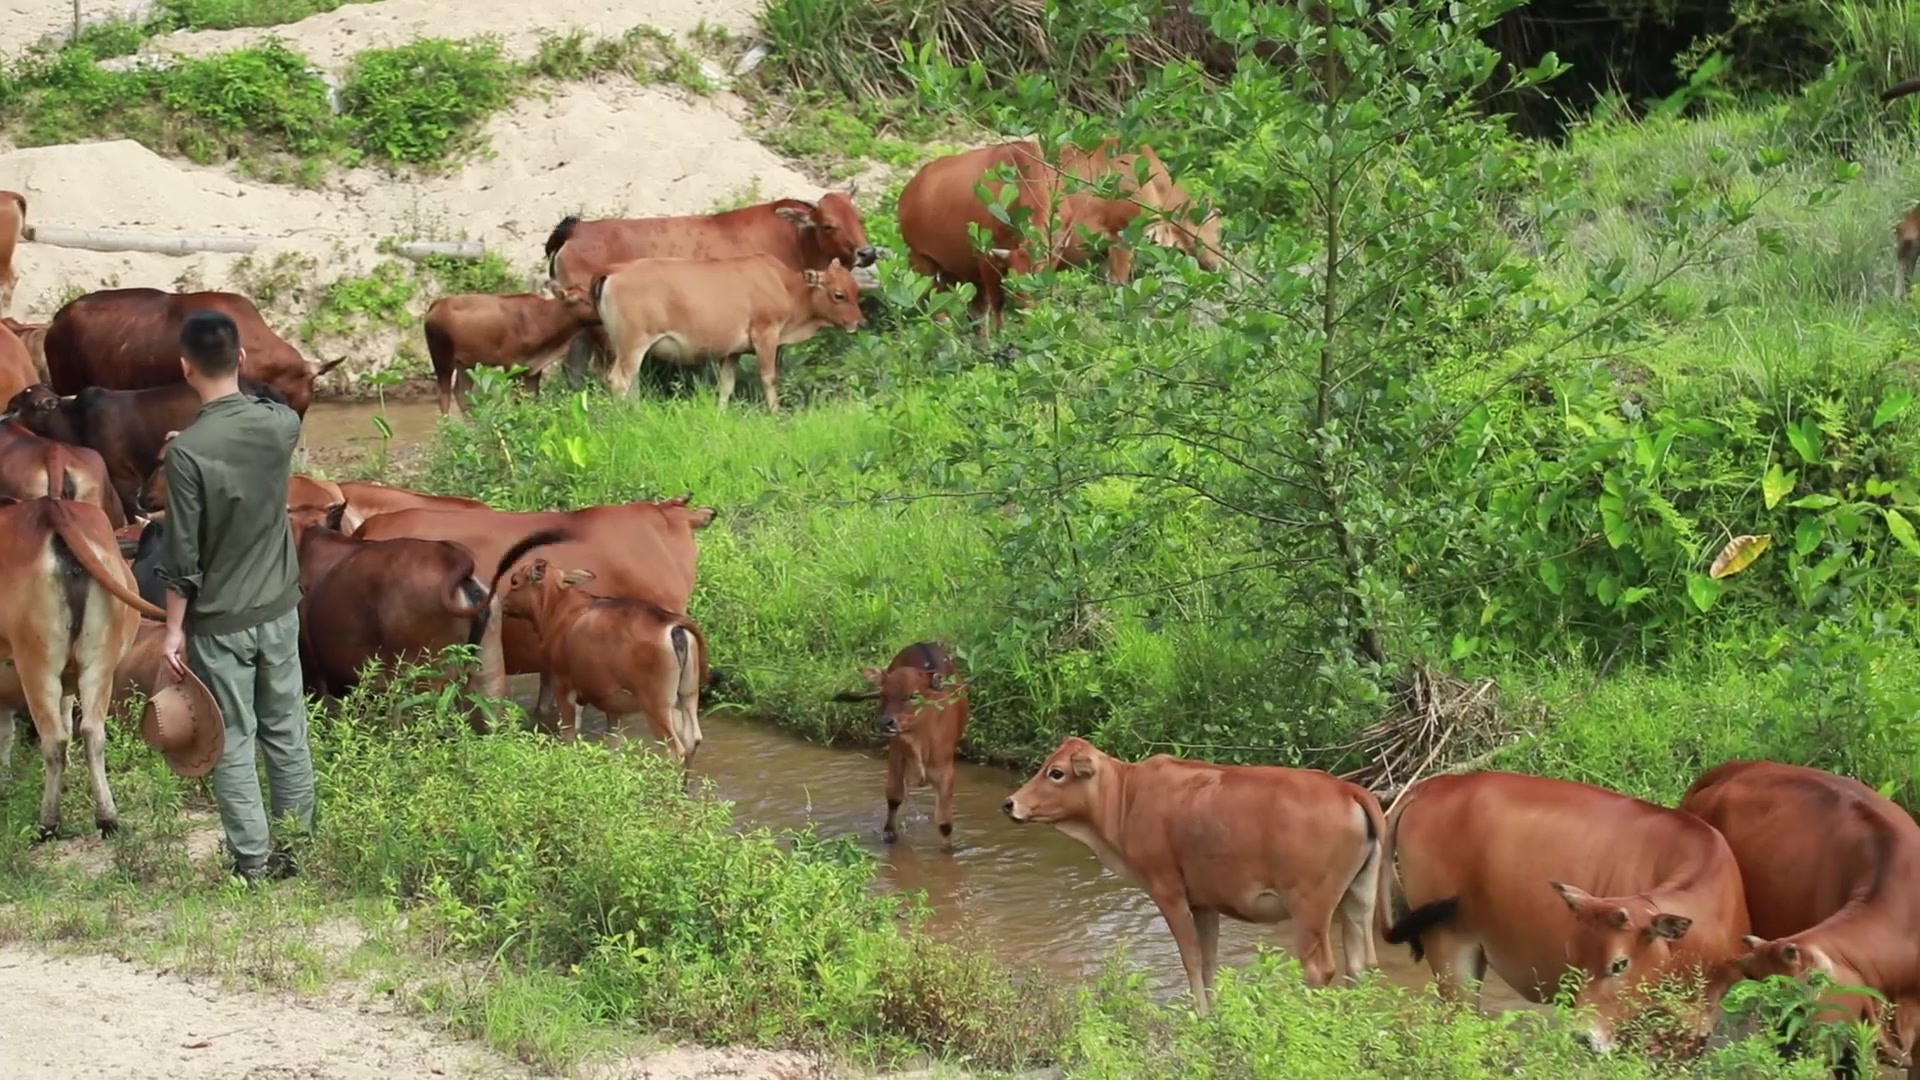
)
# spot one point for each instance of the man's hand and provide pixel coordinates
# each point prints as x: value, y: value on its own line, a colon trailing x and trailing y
x: 174, y: 648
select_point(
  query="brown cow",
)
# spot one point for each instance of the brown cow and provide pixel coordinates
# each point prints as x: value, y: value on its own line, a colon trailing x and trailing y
x: 688, y: 311
x: 13, y: 220
x: 1533, y: 876
x: 129, y: 339
x: 1832, y: 876
x: 621, y: 656
x: 801, y: 235
x: 16, y: 364
x: 32, y: 467
x: 1257, y: 843
x: 923, y: 714
x: 395, y: 601
x: 34, y: 337
x: 363, y: 499
x: 502, y: 331
x: 939, y: 202
x: 67, y: 617
x: 127, y: 428
x: 638, y: 550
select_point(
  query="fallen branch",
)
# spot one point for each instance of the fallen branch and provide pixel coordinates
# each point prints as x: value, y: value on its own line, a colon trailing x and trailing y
x: 445, y: 249
x: 153, y: 243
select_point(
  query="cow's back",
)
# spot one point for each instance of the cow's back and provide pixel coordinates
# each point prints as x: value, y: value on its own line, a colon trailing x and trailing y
x: 939, y: 202
x: 1802, y: 837
x: 597, y: 247
x: 129, y: 339
x: 709, y: 302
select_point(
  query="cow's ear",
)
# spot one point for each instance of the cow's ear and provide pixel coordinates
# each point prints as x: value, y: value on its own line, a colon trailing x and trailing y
x: 1671, y: 927
x: 801, y: 219
x: 574, y: 578
x: 1753, y: 942
x: 836, y: 265
x: 537, y: 572
x: 813, y: 278
x: 1571, y: 894
x: 936, y: 681
x: 1082, y: 764
x: 873, y: 675
x: 1790, y: 953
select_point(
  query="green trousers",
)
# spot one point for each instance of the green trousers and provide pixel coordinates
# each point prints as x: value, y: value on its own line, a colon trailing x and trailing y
x: 255, y: 676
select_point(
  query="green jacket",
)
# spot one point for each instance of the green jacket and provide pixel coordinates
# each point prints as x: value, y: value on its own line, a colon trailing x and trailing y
x: 230, y: 551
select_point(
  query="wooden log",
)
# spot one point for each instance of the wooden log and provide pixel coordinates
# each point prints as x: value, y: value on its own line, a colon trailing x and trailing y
x: 447, y: 249
x: 155, y: 243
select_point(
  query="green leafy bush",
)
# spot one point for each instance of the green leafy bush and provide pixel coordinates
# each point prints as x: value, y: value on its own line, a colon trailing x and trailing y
x: 418, y: 104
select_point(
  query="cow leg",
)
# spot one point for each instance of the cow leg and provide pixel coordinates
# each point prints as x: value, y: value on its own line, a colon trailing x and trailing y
x: 40, y: 683
x: 1186, y: 934
x: 943, y: 779
x: 896, y: 792
x: 729, y: 374
x: 1909, y: 255
x: 1206, y: 923
x: 96, y: 699
x: 6, y: 743
x: 1356, y: 916
x: 546, y: 707
x: 1120, y: 263
x: 766, y: 353
x: 1453, y: 954
x: 627, y: 365
x: 569, y: 708
x: 1313, y: 941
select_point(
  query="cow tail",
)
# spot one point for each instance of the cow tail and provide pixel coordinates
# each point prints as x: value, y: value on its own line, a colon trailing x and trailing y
x: 96, y: 564
x: 1383, y: 911
x: 440, y: 349
x: 541, y: 538
x: 458, y: 598
x: 1375, y: 843
x: 557, y: 239
x: 690, y: 658
x: 1897, y: 91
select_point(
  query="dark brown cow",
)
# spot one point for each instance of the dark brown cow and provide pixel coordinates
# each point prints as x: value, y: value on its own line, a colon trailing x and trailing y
x: 127, y: 428
x: 1257, y: 843
x: 396, y: 601
x: 1532, y: 877
x: 690, y: 311
x: 129, y: 339
x: 1906, y: 235
x: 621, y: 656
x: 13, y: 219
x: 502, y: 331
x: 923, y: 714
x: 16, y: 364
x: 638, y: 550
x: 1832, y: 876
x: 67, y: 618
x: 32, y: 467
x: 939, y: 203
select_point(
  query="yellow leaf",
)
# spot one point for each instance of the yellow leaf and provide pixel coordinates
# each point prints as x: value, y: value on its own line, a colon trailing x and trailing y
x: 1739, y: 554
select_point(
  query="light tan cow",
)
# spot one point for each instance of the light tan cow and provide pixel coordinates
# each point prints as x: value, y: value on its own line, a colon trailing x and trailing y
x: 67, y: 617
x: 690, y: 311
x: 13, y: 220
x: 1258, y: 843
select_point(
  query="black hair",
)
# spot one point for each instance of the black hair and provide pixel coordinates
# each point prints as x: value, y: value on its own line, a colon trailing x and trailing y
x: 211, y: 343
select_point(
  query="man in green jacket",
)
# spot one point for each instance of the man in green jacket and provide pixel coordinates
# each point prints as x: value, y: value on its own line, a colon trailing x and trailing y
x: 233, y: 590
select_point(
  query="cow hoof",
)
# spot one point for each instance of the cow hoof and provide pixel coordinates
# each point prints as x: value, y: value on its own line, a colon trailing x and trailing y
x: 107, y: 828
x: 44, y: 834
x: 889, y: 835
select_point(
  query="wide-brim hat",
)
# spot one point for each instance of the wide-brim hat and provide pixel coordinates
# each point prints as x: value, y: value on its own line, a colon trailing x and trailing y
x: 183, y: 722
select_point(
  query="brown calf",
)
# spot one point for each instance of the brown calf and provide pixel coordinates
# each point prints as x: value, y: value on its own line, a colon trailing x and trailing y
x: 32, y: 467
x: 34, y: 337
x: 1532, y: 877
x: 690, y: 311
x: 1832, y: 876
x: 620, y: 656
x: 67, y: 616
x: 923, y: 713
x: 501, y: 331
x: 1257, y: 843
x: 16, y: 364
x: 13, y: 220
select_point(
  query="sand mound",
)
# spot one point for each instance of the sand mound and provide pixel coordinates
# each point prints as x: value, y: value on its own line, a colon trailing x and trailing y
x: 332, y: 39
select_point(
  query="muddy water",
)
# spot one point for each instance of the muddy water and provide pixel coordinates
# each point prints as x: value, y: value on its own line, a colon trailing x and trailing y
x: 1028, y: 892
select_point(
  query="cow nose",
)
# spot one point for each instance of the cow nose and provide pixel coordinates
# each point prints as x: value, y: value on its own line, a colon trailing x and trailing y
x: 1007, y: 807
x: 889, y: 726
x: 866, y: 256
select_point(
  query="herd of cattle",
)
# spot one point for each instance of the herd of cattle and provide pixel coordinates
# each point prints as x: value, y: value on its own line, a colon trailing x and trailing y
x: 1762, y: 869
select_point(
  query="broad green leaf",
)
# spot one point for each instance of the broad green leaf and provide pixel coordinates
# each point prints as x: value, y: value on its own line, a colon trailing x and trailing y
x: 1607, y: 590
x: 1808, y: 534
x: 1806, y: 439
x: 1777, y: 484
x: 1634, y: 595
x: 1703, y: 591
x: 1815, y: 501
x: 1739, y: 554
x: 1902, y: 529
x: 1896, y: 403
x: 1550, y: 574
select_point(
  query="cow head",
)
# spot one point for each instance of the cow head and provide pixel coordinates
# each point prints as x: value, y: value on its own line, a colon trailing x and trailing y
x: 915, y: 689
x: 35, y: 407
x: 578, y: 299
x: 1177, y: 229
x: 152, y: 496
x: 834, y: 296
x: 302, y: 518
x: 832, y: 227
x: 1066, y: 789
x: 533, y: 588
x: 1619, y: 943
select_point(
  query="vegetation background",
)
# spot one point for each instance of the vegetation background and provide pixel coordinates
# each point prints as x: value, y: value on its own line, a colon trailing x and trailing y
x: 1532, y: 310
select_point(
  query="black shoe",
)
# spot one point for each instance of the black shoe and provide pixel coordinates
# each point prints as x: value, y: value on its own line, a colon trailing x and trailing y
x: 248, y: 877
x: 281, y: 865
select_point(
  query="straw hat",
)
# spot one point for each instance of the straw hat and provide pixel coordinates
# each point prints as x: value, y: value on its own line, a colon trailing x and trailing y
x: 183, y: 722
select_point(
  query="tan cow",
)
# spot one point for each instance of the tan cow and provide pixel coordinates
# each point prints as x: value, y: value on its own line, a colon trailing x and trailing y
x: 13, y: 220
x: 689, y: 311
x: 620, y: 656
x: 1258, y: 843
x: 501, y: 331
x: 16, y: 365
x: 34, y: 337
x: 1533, y: 876
x: 1832, y: 876
x: 67, y: 617
x: 923, y: 714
